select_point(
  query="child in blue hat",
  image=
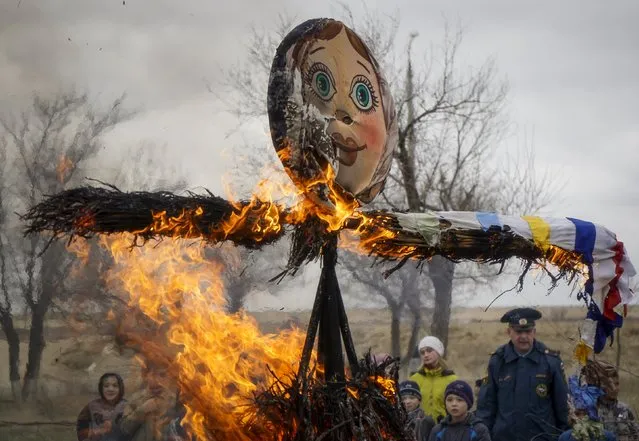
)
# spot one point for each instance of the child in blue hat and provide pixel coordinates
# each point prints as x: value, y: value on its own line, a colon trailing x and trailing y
x: 418, y: 422
x: 459, y: 424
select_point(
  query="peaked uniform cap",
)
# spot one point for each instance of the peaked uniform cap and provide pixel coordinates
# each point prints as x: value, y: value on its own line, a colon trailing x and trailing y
x: 521, y: 319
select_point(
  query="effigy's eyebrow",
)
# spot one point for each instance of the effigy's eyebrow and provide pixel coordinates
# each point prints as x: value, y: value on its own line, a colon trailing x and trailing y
x: 365, y: 68
x: 316, y: 49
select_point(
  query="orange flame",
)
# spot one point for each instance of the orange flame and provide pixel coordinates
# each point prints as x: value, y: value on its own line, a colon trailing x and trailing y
x: 388, y: 387
x: 84, y: 222
x: 180, y: 226
x: 264, y: 216
x: 386, y: 384
x: 82, y: 251
x: 565, y: 259
x: 63, y: 168
x: 219, y: 360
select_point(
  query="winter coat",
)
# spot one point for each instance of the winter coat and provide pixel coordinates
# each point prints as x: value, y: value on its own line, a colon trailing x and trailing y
x: 95, y: 416
x: 619, y: 418
x: 524, y: 397
x: 420, y: 424
x: 471, y: 429
x: 432, y: 385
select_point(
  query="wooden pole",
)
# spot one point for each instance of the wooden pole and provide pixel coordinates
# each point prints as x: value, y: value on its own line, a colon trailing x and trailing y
x: 618, y: 361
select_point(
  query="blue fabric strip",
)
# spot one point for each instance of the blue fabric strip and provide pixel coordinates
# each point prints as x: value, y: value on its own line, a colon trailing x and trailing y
x: 487, y: 220
x: 605, y: 328
x: 585, y: 235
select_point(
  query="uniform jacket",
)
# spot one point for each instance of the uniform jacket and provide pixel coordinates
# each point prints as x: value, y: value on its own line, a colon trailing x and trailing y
x: 524, y: 397
x: 619, y: 419
x: 432, y: 385
x: 471, y: 429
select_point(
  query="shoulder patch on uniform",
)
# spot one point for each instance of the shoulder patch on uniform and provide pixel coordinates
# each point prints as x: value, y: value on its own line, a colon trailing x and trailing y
x: 498, y: 351
x: 447, y: 372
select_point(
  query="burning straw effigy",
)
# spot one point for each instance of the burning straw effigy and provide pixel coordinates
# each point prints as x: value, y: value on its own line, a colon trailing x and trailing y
x: 334, y: 127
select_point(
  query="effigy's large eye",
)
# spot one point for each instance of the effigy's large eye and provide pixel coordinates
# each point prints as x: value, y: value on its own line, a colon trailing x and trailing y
x: 321, y: 82
x: 363, y: 96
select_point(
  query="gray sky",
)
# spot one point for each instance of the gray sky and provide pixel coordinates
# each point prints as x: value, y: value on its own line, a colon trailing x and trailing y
x: 572, y: 67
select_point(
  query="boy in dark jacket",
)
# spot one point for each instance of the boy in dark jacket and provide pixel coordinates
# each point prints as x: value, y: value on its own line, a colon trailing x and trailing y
x: 459, y: 424
x: 418, y: 422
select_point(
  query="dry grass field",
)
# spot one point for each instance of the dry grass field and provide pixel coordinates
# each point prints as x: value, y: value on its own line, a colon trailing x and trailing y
x: 73, y: 361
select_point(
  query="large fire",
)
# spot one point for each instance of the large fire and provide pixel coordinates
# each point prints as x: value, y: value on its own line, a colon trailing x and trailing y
x: 218, y: 360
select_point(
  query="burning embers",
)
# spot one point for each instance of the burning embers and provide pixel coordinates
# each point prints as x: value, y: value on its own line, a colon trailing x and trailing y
x: 364, y: 406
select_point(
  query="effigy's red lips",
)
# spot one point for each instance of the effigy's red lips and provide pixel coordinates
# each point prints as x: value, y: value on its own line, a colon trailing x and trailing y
x: 348, y: 149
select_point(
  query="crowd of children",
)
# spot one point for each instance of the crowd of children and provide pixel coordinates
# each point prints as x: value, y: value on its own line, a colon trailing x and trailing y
x: 458, y: 424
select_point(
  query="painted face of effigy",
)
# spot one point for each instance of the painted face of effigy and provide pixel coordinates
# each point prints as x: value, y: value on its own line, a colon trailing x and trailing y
x: 329, y: 106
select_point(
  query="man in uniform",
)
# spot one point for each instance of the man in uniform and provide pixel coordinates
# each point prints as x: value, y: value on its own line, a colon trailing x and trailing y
x: 524, y: 395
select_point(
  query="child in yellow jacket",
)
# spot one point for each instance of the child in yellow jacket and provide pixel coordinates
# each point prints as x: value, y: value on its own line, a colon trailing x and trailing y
x: 433, y: 377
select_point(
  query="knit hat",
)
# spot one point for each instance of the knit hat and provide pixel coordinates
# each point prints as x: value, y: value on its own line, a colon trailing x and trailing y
x: 462, y: 390
x: 409, y: 388
x: 432, y: 342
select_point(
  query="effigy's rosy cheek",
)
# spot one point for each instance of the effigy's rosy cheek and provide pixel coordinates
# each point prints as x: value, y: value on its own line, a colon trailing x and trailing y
x: 373, y: 132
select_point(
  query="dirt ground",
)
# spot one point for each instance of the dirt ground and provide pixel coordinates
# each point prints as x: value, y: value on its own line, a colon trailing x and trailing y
x: 74, y: 360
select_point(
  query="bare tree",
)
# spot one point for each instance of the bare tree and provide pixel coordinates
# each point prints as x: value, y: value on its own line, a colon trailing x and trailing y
x: 450, y: 126
x: 50, y: 143
x: 249, y: 78
x: 238, y: 274
x: 7, y: 299
x: 405, y: 290
x: 245, y: 270
x: 143, y: 168
x: 409, y: 291
x: 451, y: 119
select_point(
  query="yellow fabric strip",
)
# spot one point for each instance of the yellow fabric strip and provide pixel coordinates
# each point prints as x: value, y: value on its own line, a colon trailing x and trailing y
x: 540, y: 230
